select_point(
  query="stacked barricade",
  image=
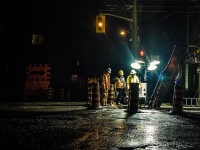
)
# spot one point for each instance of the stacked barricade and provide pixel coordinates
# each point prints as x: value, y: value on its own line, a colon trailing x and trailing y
x: 111, y: 94
x: 133, y: 103
x: 93, y: 93
x: 62, y: 94
x: 50, y: 92
x: 177, y: 100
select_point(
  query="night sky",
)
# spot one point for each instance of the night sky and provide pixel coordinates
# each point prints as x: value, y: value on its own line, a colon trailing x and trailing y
x: 161, y: 23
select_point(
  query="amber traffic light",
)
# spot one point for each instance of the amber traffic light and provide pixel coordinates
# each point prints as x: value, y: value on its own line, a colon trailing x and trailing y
x: 100, y: 24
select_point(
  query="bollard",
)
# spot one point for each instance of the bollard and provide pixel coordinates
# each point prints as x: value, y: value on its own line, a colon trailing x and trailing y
x: 133, y: 98
x: 49, y: 93
x: 96, y: 96
x: 62, y: 95
x: 177, y: 104
x: 111, y: 94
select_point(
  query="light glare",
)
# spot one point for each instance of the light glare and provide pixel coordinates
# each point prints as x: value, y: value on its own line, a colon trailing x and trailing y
x: 155, y: 62
x: 152, y: 67
x: 135, y: 65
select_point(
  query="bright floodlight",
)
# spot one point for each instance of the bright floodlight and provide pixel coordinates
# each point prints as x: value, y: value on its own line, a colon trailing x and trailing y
x: 152, y: 67
x: 135, y: 65
x: 155, y: 62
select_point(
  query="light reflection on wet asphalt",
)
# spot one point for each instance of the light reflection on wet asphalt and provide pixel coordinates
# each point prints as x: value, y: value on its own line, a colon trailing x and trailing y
x: 99, y: 129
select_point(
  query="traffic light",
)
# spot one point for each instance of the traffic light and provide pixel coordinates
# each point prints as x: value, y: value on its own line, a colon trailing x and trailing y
x: 141, y: 55
x: 100, y: 24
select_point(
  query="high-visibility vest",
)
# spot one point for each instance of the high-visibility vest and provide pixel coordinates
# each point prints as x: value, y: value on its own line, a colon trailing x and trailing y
x: 105, y: 81
x: 132, y: 79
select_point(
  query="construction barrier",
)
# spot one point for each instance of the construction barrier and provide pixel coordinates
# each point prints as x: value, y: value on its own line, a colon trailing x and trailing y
x: 62, y: 93
x: 95, y: 96
x: 111, y: 94
x: 50, y: 93
x: 68, y: 96
x: 89, y: 94
x: 133, y: 98
x: 177, y: 104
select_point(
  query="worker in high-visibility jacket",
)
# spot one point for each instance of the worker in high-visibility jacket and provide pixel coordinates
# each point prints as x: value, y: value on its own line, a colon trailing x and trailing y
x: 104, y: 86
x: 119, y: 86
x: 132, y: 78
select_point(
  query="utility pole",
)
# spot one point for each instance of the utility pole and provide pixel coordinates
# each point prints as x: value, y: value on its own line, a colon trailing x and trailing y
x: 134, y: 30
x: 198, y: 42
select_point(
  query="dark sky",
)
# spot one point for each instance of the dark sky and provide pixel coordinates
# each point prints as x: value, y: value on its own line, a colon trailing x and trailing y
x: 161, y: 23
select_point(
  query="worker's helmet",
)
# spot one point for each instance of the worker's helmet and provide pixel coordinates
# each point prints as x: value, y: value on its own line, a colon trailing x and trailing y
x: 133, y: 72
x: 121, y: 73
x: 108, y: 70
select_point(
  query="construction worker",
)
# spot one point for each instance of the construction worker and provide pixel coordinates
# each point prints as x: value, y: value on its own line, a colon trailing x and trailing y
x: 104, y: 86
x: 132, y: 78
x: 120, y: 86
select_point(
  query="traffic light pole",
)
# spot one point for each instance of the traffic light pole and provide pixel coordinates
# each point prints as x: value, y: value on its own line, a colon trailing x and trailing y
x: 133, y: 20
x: 134, y: 30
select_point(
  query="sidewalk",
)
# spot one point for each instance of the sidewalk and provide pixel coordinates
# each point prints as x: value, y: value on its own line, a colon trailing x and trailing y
x: 41, y: 106
x: 66, y: 106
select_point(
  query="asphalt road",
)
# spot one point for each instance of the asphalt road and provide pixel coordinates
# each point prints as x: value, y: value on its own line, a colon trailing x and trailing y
x: 75, y: 127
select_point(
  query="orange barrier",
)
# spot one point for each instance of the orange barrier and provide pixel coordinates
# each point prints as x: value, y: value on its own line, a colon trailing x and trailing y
x: 95, y: 96
x: 68, y: 96
x: 49, y: 93
x: 89, y: 95
x: 62, y: 95
x: 111, y: 93
x: 177, y: 100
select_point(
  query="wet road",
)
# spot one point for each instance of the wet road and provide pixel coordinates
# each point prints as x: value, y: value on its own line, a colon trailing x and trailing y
x: 78, y: 128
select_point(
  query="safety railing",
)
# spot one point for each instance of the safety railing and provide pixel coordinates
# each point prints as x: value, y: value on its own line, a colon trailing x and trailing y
x: 190, y: 101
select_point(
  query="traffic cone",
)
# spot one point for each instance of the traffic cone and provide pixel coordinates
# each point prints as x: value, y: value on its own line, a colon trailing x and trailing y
x: 177, y: 104
x: 68, y: 96
x: 62, y: 95
x: 49, y: 93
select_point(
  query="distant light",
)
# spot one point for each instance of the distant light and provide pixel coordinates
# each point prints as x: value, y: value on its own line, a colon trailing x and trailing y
x: 122, y: 33
x: 152, y: 67
x: 155, y: 62
x: 141, y: 53
x: 135, y: 65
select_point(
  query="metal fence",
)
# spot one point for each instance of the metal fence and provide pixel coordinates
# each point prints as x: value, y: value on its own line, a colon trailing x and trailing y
x: 190, y: 101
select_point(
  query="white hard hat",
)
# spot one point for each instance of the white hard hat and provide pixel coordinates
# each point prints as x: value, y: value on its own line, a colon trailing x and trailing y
x: 108, y: 70
x: 133, y: 72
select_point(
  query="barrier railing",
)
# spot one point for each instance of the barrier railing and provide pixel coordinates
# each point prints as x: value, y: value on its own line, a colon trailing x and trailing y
x: 190, y: 101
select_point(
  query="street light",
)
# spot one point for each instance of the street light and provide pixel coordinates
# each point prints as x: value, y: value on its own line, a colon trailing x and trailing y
x: 124, y: 32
